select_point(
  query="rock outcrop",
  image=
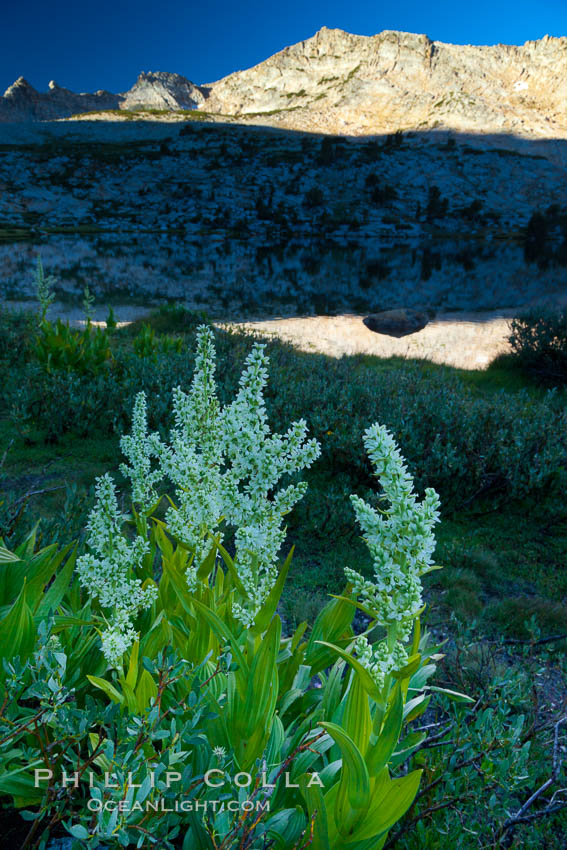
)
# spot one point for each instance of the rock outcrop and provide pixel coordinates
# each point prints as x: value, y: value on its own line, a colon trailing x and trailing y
x: 162, y: 91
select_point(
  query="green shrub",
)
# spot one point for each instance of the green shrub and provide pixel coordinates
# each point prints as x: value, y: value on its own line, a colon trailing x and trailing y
x: 539, y: 341
x: 16, y: 331
x: 48, y: 724
x: 464, y: 444
x: 479, y: 756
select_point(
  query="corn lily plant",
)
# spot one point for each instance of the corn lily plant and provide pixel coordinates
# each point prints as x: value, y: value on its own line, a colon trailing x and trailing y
x: 317, y: 719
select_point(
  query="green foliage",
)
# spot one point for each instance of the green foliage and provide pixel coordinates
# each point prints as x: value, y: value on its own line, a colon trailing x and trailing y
x: 298, y: 697
x: 43, y: 289
x: 57, y: 348
x: 148, y: 344
x: 107, y: 754
x: 251, y: 696
x: 88, y: 303
x: 16, y: 331
x: 539, y: 341
x: 257, y: 711
x: 111, y: 320
x: 442, y: 423
x: 483, y: 752
x: 497, y: 753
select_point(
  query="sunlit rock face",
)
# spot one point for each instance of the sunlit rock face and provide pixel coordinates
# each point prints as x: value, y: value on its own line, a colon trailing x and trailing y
x: 162, y: 91
x: 343, y: 83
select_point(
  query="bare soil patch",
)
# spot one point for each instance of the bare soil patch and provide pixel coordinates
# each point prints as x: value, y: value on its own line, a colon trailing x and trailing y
x: 462, y: 340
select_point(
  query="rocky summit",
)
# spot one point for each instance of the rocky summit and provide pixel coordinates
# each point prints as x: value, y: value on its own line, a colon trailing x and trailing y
x: 340, y: 83
x: 162, y: 91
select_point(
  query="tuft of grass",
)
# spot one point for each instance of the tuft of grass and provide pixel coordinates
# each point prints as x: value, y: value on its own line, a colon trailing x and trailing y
x: 299, y: 605
x: 517, y: 616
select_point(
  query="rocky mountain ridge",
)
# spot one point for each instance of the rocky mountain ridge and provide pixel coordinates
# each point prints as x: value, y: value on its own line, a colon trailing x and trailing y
x: 356, y: 85
x: 340, y: 83
x: 152, y: 90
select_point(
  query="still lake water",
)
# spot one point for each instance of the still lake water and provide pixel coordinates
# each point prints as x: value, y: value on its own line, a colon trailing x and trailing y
x: 305, y: 276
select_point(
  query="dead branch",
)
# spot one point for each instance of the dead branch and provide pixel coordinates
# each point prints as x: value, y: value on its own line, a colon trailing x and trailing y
x: 506, y: 833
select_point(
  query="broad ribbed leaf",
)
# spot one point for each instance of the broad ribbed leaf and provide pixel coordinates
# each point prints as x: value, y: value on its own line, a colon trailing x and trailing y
x: 313, y: 796
x: 40, y: 569
x: 107, y: 688
x: 387, y: 808
x: 207, y: 564
x: 145, y: 691
x: 263, y: 680
x: 354, y: 786
x: 132, y: 675
x: 223, y: 634
x: 285, y: 827
x: 367, y: 681
x: 420, y: 677
x: 129, y: 697
x: 233, y: 571
x: 7, y: 557
x: 357, y: 721
x: 332, y: 691
x: 275, y: 742
x: 20, y: 784
x: 384, y: 741
x: 196, y: 837
x: 332, y: 623
x: 456, y: 696
x: 17, y: 629
x: 53, y: 597
x: 415, y: 707
x: 268, y: 609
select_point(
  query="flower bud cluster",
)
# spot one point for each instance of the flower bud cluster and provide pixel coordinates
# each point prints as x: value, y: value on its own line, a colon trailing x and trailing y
x: 225, y: 466
x: 378, y: 659
x: 108, y: 571
x: 401, y: 543
x: 140, y: 448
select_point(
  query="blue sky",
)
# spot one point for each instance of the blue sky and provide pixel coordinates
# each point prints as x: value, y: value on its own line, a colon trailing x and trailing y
x: 86, y: 45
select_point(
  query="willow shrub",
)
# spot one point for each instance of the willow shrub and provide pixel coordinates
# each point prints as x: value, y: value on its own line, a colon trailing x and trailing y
x: 462, y: 443
x: 538, y: 338
x: 172, y: 647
